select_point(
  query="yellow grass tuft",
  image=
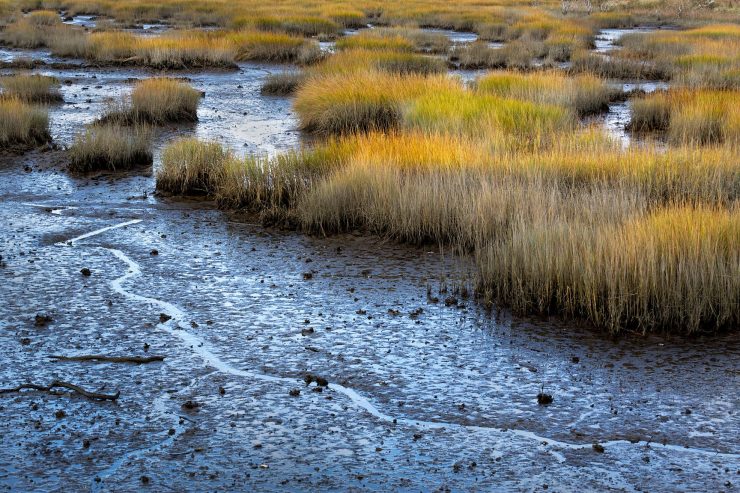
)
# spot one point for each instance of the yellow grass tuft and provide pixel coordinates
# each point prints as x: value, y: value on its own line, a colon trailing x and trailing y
x: 583, y: 94
x: 22, y: 124
x: 157, y: 101
x: 698, y: 117
x: 111, y: 147
x: 32, y: 88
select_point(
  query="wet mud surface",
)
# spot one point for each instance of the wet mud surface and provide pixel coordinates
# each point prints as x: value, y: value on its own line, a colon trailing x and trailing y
x: 442, y: 397
x: 408, y: 392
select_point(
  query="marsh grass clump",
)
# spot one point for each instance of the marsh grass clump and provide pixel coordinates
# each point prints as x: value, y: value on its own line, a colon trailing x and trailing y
x: 584, y: 94
x: 402, y: 39
x: 22, y: 124
x: 616, y: 67
x: 361, y: 102
x: 32, y: 88
x: 459, y: 111
x: 689, y: 116
x: 274, y: 47
x: 157, y: 101
x: 282, y: 84
x: 192, y: 167
x: 370, y: 40
x: 670, y: 269
x: 394, y: 62
x: 702, y: 57
x: 295, y: 25
x: 111, y: 147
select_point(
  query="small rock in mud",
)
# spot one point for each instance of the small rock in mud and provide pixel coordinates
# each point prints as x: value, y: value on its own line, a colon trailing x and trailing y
x: 60, y: 414
x: 575, y: 359
x: 598, y: 448
x: 163, y: 318
x: 307, y: 276
x: 544, y: 399
x: 221, y: 390
x: 144, y: 479
x: 307, y: 332
x: 687, y: 411
x: 294, y: 392
x: 42, y: 320
x: 154, y: 252
x: 85, y: 272
x: 417, y: 436
x: 190, y: 405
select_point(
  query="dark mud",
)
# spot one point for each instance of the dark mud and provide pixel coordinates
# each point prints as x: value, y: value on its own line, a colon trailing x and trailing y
x: 419, y: 395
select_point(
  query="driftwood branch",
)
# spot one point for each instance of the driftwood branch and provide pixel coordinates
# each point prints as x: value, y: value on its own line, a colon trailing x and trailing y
x: 138, y: 360
x: 60, y: 383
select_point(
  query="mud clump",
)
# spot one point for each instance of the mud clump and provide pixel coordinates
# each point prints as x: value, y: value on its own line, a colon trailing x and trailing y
x: 307, y: 276
x: 320, y: 381
x: 164, y: 318
x: 598, y: 448
x: 190, y: 406
x: 294, y: 392
x: 544, y: 399
x: 42, y: 320
x: 154, y: 252
x: 85, y: 272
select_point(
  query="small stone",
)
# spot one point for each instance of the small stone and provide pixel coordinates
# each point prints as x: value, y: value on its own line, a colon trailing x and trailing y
x: 85, y: 272
x: 221, y: 390
x: 163, y: 318
x: 41, y: 320
x: 154, y: 252
x: 60, y: 414
x: 575, y: 359
x: 144, y: 479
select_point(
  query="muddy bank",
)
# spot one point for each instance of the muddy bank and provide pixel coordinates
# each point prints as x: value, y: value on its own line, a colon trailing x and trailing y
x: 420, y: 395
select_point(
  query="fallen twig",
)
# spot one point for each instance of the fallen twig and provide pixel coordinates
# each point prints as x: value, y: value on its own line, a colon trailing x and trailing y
x: 138, y: 360
x: 66, y: 385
